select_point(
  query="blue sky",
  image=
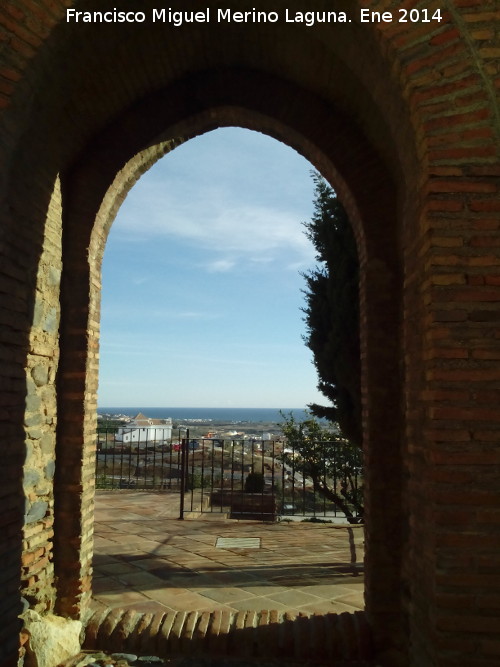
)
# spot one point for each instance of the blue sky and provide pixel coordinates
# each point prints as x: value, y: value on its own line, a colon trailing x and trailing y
x: 201, y: 289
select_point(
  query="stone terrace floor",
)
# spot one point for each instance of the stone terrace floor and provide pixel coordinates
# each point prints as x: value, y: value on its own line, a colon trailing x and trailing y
x: 146, y: 559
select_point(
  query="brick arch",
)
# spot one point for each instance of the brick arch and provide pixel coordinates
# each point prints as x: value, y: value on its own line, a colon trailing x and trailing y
x: 423, y: 99
x: 99, y: 180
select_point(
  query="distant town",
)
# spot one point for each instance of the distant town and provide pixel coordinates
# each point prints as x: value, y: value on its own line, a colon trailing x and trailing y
x: 140, y: 426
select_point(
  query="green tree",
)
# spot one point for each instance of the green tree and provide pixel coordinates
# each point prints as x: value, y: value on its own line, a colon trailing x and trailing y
x: 332, y: 312
x: 331, y: 462
x: 108, y: 425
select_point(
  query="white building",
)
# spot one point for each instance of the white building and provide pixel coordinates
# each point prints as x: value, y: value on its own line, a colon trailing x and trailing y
x: 144, y: 430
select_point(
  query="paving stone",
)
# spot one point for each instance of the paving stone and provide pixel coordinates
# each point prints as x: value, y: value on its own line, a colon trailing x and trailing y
x: 226, y: 595
x: 292, y: 598
x: 177, y: 561
x: 117, y: 568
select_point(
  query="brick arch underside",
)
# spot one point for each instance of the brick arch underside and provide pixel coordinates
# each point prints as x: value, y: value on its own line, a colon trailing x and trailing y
x: 445, y: 221
x: 86, y: 138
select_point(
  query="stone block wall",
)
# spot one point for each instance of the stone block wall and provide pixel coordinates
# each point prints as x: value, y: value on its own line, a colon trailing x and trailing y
x: 40, y: 420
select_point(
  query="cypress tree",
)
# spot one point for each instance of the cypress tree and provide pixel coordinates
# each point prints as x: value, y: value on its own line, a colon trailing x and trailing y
x: 332, y: 312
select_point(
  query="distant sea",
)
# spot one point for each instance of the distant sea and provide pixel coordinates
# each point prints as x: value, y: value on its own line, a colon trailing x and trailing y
x: 228, y: 415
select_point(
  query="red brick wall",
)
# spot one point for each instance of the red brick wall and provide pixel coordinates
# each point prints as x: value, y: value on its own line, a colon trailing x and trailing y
x: 403, y: 119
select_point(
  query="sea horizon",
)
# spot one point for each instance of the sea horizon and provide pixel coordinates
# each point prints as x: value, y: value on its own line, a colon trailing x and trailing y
x: 208, y: 414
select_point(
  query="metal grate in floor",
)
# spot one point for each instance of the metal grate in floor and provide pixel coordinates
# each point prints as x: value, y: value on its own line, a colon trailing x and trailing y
x: 238, y: 543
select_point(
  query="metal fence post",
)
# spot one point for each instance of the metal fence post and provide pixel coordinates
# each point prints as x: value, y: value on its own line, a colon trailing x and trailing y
x: 184, y: 451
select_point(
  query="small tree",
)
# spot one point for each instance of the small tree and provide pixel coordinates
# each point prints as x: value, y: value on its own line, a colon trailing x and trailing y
x: 254, y: 483
x: 110, y: 426
x: 330, y: 461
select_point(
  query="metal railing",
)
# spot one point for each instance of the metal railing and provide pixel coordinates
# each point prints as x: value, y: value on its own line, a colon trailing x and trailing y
x: 244, y: 478
x: 129, y: 459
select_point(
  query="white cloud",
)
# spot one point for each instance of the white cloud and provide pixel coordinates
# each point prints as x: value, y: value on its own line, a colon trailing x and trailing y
x: 221, y: 265
x: 222, y: 193
x: 140, y: 280
x: 216, y: 225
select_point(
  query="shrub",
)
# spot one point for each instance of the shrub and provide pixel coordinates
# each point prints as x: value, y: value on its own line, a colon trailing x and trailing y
x: 254, y: 483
